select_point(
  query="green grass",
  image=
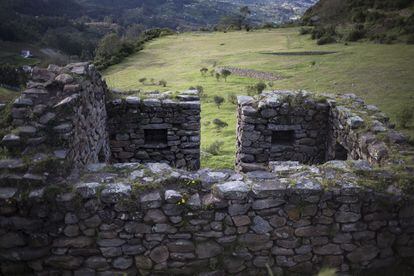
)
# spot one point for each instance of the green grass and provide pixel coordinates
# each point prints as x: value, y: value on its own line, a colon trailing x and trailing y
x: 7, y: 95
x: 381, y: 74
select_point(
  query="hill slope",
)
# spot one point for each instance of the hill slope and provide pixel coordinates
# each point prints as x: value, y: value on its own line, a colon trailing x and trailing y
x: 357, y: 68
x: 379, y: 20
x: 76, y: 26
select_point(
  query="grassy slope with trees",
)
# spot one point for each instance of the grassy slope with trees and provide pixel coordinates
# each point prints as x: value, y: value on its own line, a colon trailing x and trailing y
x: 381, y: 74
x: 381, y: 21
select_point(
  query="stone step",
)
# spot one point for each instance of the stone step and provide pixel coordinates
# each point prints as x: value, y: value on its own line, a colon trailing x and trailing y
x: 12, y: 165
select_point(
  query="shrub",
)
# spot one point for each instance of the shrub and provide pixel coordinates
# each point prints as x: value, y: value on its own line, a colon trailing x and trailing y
x: 305, y: 31
x: 232, y: 98
x: 356, y: 34
x: 163, y: 83
x: 218, y: 76
x: 325, y: 40
x: 219, y: 124
x: 359, y: 16
x: 12, y: 76
x: 218, y: 100
x: 405, y: 116
x: 256, y: 89
x: 142, y: 80
x: 214, y: 148
x: 321, y: 32
x: 225, y: 73
x: 200, y: 90
x: 203, y: 71
x: 260, y: 86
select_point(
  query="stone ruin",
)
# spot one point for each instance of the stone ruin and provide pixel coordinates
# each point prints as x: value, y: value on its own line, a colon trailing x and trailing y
x: 293, y: 126
x: 93, y: 185
x: 64, y: 121
x: 156, y: 130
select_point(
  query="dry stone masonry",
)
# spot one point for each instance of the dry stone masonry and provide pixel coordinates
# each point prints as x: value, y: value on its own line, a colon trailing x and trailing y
x: 132, y: 219
x: 57, y: 124
x: 92, y: 184
x: 296, y: 126
x: 156, y: 130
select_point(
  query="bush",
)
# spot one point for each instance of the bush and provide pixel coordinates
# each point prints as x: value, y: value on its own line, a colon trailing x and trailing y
x: 356, y: 34
x: 225, y: 73
x: 214, y: 148
x: 325, y: 40
x: 219, y: 124
x: 305, y: 31
x: 112, y: 49
x: 203, y: 71
x: 218, y: 100
x: 260, y: 86
x: 405, y: 116
x: 200, y: 90
x: 322, y: 32
x: 232, y: 98
x: 12, y: 76
x: 163, y: 83
x: 359, y: 16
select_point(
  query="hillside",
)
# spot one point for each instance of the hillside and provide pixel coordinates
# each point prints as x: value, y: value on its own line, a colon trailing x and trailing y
x: 75, y: 26
x: 335, y: 68
x: 383, y: 21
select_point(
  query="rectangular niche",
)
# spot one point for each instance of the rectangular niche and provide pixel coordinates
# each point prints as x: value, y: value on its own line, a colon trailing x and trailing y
x: 283, y: 137
x: 340, y: 152
x: 155, y: 136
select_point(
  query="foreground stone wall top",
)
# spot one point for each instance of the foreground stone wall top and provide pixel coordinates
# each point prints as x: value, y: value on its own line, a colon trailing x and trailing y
x: 134, y: 219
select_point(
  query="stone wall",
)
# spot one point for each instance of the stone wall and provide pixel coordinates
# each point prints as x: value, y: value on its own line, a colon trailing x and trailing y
x: 58, y: 125
x: 282, y: 126
x: 203, y: 223
x: 297, y: 126
x: 153, y: 130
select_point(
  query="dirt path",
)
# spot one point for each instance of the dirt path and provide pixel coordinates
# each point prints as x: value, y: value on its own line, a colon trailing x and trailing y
x: 248, y: 73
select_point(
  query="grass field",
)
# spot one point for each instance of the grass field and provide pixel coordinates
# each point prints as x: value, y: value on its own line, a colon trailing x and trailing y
x: 7, y: 95
x: 381, y: 74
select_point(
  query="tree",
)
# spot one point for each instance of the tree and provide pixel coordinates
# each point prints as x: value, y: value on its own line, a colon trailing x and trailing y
x: 200, y: 90
x: 218, y: 76
x: 260, y: 86
x: 204, y: 71
x: 134, y: 31
x: 225, y: 73
x: 218, y: 101
x: 163, y: 83
x: 142, y: 80
x: 245, y: 12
